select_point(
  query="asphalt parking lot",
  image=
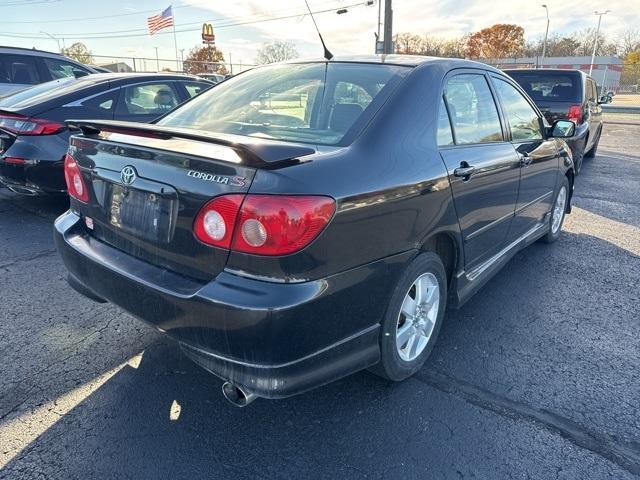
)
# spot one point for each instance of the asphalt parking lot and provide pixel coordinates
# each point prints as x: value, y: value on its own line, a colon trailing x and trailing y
x: 538, y: 376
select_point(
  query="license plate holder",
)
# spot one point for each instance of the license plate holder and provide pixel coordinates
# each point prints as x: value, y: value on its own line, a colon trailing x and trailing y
x: 146, y: 215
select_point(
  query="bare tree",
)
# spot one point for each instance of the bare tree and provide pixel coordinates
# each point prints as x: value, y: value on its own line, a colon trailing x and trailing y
x: 276, y: 52
x: 628, y: 42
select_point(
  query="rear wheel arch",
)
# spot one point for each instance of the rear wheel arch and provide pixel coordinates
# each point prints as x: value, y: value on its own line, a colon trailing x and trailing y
x: 445, y: 246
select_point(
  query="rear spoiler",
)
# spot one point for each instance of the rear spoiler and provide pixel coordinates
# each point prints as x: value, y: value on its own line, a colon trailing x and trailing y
x: 254, y: 152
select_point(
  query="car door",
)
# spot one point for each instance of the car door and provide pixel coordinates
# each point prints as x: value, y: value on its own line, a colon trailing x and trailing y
x: 538, y: 157
x: 483, y: 168
x: 144, y: 102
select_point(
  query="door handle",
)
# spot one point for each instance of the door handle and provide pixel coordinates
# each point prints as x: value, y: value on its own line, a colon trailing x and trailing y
x: 464, y: 170
x: 525, y: 160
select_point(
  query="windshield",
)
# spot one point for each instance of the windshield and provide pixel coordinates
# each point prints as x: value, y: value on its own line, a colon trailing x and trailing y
x: 549, y: 86
x: 310, y: 103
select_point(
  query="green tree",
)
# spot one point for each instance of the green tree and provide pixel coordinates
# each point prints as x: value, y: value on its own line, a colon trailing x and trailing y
x: 78, y: 51
x: 207, y: 59
x: 276, y: 52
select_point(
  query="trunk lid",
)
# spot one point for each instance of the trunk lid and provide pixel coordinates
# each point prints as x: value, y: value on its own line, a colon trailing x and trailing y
x: 146, y: 185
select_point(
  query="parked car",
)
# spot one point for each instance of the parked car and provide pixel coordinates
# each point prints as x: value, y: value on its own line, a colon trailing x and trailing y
x: 287, y: 244
x: 21, y: 68
x: 212, y: 77
x: 571, y: 95
x: 34, y: 138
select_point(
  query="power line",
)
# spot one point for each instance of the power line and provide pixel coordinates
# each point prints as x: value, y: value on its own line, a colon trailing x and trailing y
x: 218, y: 26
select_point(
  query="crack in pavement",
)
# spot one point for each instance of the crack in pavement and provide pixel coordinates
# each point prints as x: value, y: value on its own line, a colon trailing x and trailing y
x: 28, y: 258
x: 622, y: 454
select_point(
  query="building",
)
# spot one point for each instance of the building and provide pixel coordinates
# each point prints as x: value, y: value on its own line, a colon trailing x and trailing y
x: 606, y: 68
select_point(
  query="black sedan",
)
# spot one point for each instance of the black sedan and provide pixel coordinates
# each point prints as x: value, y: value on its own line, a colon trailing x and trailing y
x: 34, y: 137
x: 303, y: 221
x: 570, y: 95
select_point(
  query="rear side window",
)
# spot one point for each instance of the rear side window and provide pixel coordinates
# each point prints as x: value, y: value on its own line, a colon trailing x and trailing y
x: 523, y: 119
x: 473, y: 112
x: 104, y: 103
x: 549, y: 86
x: 18, y: 69
x: 148, y: 99
x: 61, y: 69
x: 445, y: 135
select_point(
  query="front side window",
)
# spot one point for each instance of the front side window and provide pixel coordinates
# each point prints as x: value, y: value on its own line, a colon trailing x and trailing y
x: 523, y: 119
x: 310, y: 103
x: 62, y: 69
x: 196, y: 88
x: 474, y: 115
x: 148, y: 99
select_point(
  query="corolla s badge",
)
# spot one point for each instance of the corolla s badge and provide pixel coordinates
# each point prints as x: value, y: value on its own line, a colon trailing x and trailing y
x: 128, y: 175
x: 222, y: 179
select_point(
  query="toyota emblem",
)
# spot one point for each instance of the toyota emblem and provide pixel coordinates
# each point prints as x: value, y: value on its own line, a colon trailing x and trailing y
x: 128, y: 175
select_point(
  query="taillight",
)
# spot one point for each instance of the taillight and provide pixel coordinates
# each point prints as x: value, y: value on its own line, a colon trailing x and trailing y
x: 575, y: 114
x: 75, y: 183
x: 263, y: 224
x: 21, y: 125
x: 215, y: 221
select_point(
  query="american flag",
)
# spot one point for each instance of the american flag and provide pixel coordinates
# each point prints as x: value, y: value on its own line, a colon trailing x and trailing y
x: 158, y: 22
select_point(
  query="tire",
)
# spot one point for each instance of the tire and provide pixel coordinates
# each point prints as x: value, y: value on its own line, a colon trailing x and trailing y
x: 592, y: 153
x: 398, y: 362
x: 558, y: 213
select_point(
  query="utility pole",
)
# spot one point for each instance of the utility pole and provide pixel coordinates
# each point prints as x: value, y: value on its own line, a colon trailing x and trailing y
x: 182, y: 58
x: 388, y: 27
x: 157, y: 60
x: 546, y: 34
x: 595, y: 41
x: 53, y: 38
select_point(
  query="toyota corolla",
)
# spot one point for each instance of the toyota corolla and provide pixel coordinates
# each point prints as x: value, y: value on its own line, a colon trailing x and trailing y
x: 303, y: 221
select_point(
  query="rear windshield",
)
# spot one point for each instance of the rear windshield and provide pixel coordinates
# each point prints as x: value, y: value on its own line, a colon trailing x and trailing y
x: 549, y: 86
x: 310, y: 103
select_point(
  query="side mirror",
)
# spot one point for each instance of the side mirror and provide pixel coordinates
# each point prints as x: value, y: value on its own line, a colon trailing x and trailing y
x: 605, y: 99
x: 563, y: 129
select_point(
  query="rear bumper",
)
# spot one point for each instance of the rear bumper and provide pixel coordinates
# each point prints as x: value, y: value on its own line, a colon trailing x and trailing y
x: 38, y: 178
x: 272, y: 339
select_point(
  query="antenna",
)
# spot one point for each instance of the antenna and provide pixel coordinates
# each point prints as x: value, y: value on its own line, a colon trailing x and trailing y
x: 327, y: 54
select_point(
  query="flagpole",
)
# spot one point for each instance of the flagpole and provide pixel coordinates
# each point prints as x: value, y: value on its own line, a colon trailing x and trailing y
x: 175, y: 43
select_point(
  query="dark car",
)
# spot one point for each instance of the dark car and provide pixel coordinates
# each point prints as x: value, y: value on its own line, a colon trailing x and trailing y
x: 34, y: 137
x: 303, y: 221
x: 570, y: 95
x: 21, y: 68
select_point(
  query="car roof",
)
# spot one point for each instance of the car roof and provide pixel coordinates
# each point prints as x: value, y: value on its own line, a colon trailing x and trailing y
x: 23, y: 50
x: 403, y: 60
x: 115, y: 77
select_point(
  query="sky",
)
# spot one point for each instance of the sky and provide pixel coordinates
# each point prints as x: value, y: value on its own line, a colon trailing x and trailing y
x: 240, y: 25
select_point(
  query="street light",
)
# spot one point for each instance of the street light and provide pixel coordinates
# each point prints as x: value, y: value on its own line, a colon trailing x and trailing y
x: 595, y: 41
x: 53, y: 38
x: 546, y: 34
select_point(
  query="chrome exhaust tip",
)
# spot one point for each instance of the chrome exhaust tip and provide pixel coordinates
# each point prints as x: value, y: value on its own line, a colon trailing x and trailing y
x: 236, y: 395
